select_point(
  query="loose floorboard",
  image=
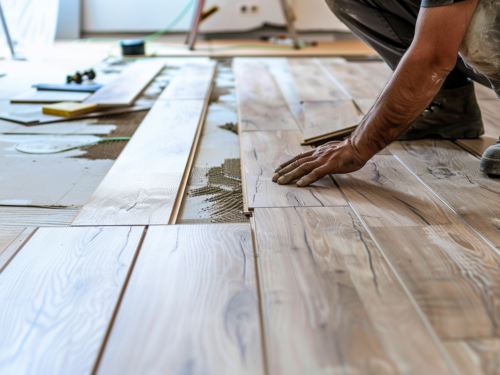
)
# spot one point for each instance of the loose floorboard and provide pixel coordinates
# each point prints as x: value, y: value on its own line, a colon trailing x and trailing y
x: 127, y: 87
x: 325, y: 120
x: 455, y: 176
x: 200, y: 313
x: 491, y: 118
x: 58, y: 296
x: 443, y: 263
x: 12, y: 216
x: 261, y: 153
x: 142, y: 186
x: 261, y: 105
x: 475, y: 357
x: 330, y: 302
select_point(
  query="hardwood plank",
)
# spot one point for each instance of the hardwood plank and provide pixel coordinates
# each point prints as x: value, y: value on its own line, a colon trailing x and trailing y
x: 324, y: 120
x: 142, y: 186
x: 9, y: 234
x: 331, y: 302
x: 58, y: 296
x: 491, y: 119
x: 437, y: 256
x: 455, y: 176
x: 191, y: 82
x: 75, y: 127
x: 34, y: 96
x: 483, y: 92
x: 128, y: 86
x: 475, y: 357
x: 311, y: 82
x: 11, y: 216
x: 386, y: 194
x: 9, y: 250
x: 261, y: 153
x: 261, y: 105
x: 200, y: 313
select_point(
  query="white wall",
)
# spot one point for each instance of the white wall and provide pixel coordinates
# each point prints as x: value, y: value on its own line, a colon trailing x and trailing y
x: 151, y: 15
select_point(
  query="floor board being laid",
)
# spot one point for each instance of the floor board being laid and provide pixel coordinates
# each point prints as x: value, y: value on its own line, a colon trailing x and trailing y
x: 190, y: 306
x: 453, y: 274
x: 455, y: 176
x: 475, y: 357
x: 261, y: 153
x: 331, y: 305
x: 58, y: 295
x: 12, y: 216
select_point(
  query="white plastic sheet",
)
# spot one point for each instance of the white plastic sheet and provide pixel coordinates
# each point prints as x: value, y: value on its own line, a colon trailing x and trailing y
x: 32, y: 26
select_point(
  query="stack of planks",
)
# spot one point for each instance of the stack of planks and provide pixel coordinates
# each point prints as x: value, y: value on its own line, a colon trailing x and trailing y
x: 393, y: 269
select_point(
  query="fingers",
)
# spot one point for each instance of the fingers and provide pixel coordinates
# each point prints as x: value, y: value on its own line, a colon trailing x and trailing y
x: 296, y: 173
x: 315, y: 175
x: 299, y: 156
x: 292, y: 166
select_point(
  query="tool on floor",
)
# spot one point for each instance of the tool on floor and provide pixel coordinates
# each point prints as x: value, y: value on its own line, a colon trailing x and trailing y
x: 133, y: 47
x: 78, y: 77
x: 68, y: 109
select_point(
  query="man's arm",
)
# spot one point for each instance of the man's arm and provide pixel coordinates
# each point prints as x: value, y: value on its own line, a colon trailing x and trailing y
x: 416, y: 81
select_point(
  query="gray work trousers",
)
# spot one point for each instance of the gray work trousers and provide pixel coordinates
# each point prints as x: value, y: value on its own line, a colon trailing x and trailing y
x: 388, y: 26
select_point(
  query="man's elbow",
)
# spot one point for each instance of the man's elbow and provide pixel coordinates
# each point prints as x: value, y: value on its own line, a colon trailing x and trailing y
x: 440, y: 62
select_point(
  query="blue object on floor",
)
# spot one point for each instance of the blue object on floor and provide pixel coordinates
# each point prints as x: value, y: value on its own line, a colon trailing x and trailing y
x: 68, y: 87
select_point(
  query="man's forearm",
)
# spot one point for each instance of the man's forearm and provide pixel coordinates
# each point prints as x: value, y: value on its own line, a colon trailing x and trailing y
x: 413, y: 86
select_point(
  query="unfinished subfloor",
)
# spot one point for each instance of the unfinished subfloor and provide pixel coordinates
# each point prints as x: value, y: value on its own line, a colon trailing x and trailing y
x: 120, y: 261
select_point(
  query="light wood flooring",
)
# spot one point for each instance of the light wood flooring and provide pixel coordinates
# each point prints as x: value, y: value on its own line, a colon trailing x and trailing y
x: 393, y: 269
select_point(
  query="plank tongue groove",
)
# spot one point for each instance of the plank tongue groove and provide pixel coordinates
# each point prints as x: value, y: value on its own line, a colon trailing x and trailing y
x: 190, y: 305
x: 331, y: 305
x: 58, y: 295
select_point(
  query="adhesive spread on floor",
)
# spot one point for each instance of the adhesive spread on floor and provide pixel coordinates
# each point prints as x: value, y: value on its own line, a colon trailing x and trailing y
x: 223, y: 192
x: 231, y: 126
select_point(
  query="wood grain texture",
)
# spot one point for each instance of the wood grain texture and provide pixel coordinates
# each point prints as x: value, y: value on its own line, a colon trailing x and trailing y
x: 261, y: 105
x: 452, y: 272
x: 142, y: 185
x: 34, y: 96
x: 331, y: 305
x: 191, y: 82
x: 455, y: 176
x: 9, y: 249
x: 490, y: 110
x: 75, y: 127
x: 7, y: 235
x: 190, y: 305
x: 327, y: 119
x: 483, y: 92
x: 261, y: 153
x: 311, y: 82
x: 386, y: 194
x: 128, y: 86
x: 58, y: 295
x: 37, y: 216
x: 476, y: 357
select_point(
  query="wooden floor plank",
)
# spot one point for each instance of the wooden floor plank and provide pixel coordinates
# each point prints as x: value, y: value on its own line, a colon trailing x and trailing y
x: 142, y: 186
x: 190, y: 305
x: 455, y: 176
x: 261, y: 105
x: 326, y: 119
x: 191, y: 82
x: 490, y: 110
x: 10, y: 245
x: 7, y: 235
x: 452, y: 272
x: 127, y: 87
x: 37, y: 216
x: 331, y: 305
x: 476, y: 357
x: 58, y: 296
x: 261, y: 153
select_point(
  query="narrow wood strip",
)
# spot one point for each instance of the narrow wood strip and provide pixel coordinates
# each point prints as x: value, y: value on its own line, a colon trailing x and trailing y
x: 142, y: 186
x: 128, y: 86
x: 261, y: 105
x: 261, y: 153
x: 330, y: 301
x: 452, y: 272
x: 328, y: 119
x: 58, y: 295
x: 475, y: 357
x: 200, y: 312
x: 455, y: 176
x: 36, y: 216
x: 7, y: 253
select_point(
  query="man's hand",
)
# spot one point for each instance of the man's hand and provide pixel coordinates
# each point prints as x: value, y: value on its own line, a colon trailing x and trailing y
x: 310, y: 166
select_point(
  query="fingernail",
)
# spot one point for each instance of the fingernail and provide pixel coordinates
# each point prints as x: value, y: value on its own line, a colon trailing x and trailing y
x: 278, y: 169
x: 275, y: 177
x: 300, y: 183
x: 281, y: 180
